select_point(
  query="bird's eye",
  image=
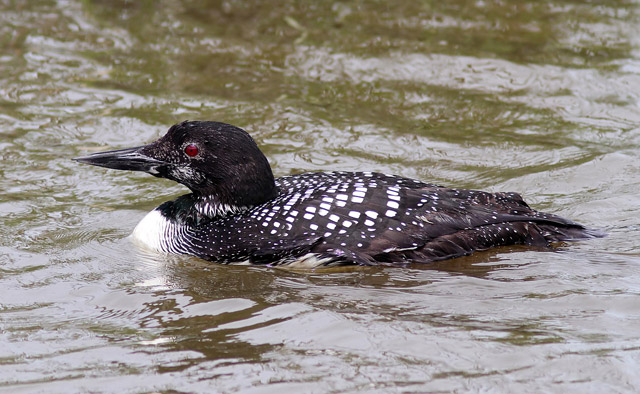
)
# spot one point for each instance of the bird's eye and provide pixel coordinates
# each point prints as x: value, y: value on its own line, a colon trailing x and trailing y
x: 191, y: 150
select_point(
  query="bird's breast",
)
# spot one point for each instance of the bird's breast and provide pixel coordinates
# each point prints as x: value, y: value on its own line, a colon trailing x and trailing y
x: 156, y: 232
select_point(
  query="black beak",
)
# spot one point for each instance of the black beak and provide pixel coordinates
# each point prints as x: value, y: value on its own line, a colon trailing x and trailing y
x: 123, y: 159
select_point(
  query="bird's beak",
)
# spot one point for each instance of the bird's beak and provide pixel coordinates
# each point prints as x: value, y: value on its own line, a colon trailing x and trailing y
x: 123, y: 159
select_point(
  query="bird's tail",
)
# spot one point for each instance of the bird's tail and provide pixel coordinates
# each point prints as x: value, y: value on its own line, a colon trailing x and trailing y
x: 554, y: 233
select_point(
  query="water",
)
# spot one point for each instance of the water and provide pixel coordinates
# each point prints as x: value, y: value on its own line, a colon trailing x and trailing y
x: 536, y: 97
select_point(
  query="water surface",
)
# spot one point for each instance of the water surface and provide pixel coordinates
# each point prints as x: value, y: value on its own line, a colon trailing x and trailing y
x: 542, y: 98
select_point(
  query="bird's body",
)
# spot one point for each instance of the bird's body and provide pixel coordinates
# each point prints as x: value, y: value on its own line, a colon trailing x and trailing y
x: 238, y: 213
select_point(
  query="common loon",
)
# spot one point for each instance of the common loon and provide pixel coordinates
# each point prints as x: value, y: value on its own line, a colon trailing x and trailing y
x: 238, y: 213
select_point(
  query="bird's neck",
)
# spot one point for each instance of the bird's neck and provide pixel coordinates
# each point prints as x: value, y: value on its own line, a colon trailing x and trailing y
x: 193, y: 209
x: 211, y: 207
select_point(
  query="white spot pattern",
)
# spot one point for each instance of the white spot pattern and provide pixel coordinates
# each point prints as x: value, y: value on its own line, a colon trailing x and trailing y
x: 339, y: 208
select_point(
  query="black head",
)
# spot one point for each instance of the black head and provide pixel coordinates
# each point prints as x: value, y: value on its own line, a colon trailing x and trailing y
x: 210, y: 158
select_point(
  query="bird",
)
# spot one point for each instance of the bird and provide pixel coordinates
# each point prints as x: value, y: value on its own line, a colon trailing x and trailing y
x: 238, y: 213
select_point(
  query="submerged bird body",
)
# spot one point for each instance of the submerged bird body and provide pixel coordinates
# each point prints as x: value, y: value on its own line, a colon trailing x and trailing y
x: 238, y: 213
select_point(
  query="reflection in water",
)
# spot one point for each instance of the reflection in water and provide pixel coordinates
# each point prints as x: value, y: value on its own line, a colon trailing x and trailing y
x: 528, y: 96
x: 240, y: 313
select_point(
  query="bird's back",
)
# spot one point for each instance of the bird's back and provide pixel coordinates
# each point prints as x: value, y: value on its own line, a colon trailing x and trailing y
x: 371, y: 218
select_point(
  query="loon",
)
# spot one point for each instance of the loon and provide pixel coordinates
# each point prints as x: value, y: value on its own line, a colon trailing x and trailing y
x: 237, y: 213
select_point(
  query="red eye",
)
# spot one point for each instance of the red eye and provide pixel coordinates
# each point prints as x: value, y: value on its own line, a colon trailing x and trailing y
x: 191, y: 150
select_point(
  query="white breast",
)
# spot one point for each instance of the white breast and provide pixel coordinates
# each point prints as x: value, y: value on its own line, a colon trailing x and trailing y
x: 153, y: 232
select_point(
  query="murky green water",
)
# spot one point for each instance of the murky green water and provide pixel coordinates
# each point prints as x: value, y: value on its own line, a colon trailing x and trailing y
x: 537, y: 97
